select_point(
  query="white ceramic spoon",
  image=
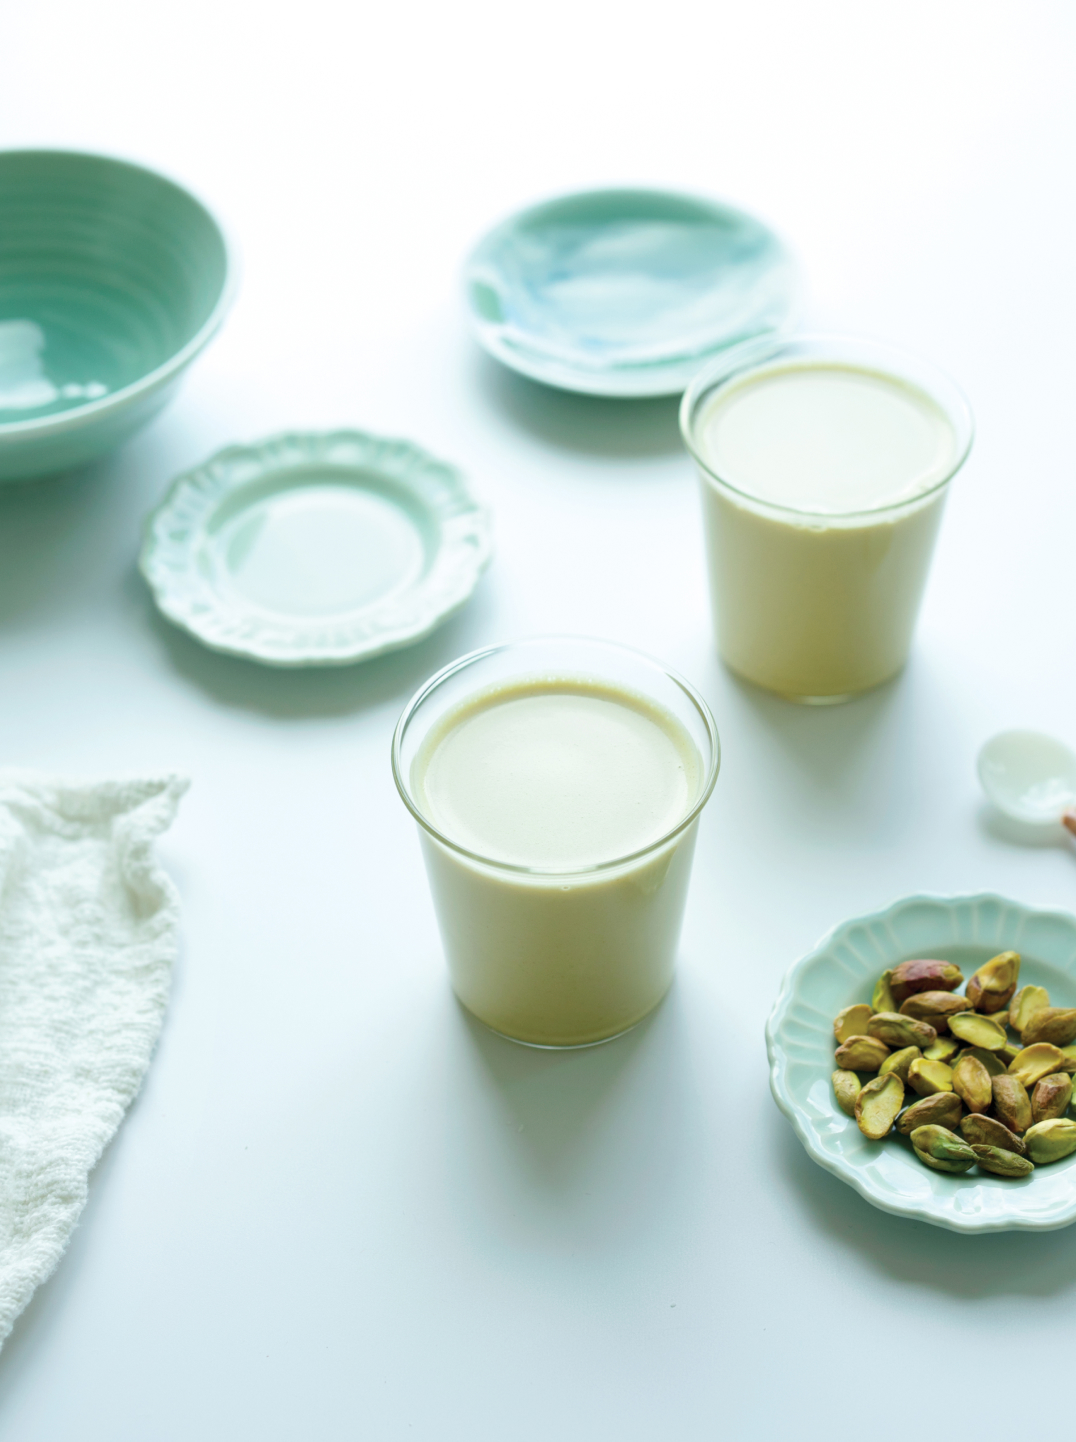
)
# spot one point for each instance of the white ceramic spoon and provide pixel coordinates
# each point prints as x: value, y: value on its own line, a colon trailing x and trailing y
x: 1030, y: 777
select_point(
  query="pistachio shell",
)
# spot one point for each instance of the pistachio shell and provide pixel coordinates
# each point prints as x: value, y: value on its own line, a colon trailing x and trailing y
x: 942, y: 1109
x: 940, y: 1166
x: 923, y: 975
x: 978, y: 1030
x: 942, y: 1144
x: 1011, y: 1102
x: 861, y: 1053
x: 1001, y: 1162
x: 898, y: 1031
x: 1032, y: 1063
x: 846, y: 1087
x: 1051, y: 1097
x: 852, y: 1021
x: 971, y: 1082
x: 989, y: 1132
x: 927, y: 1077
x: 944, y: 1049
x: 1027, y: 1001
x: 935, y: 1007
x: 1056, y: 1024
x: 900, y: 1061
x: 1051, y: 1140
x: 990, y: 1059
x: 878, y: 1104
x: 994, y: 983
x: 883, y: 999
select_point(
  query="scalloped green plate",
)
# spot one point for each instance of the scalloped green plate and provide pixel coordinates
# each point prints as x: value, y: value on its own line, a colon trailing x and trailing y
x: 315, y: 549
x: 842, y: 969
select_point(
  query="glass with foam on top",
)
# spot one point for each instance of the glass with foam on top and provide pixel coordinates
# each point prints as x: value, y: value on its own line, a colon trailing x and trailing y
x: 557, y: 784
x: 824, y: 465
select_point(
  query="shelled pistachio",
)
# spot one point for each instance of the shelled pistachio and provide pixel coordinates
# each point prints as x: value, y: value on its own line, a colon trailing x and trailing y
x: 879, y: 1104
x: 935, y: 1007
x: 1027, y: 1001
x: 923, y: 974
x: 861, y: 1053
x: 994, y: 983
x: 900, y: 1061
x: 944, y: 1049
x: 900, y: 1031
x: 976, y: 1030
x: 1056, y: 1024
x: 1051, y: 1140
x: 1051, y: 1096
x: 943, y: 1109
x: 1001, y: 1162
x: 971, y: 1082
x: 927, y: 1077
x: 846, y: 1087
x: 852, y: 1021
x: 979, y: 1130
x: 882, y: 998
x: 1034, y: 1062
x: 1011, y: 1103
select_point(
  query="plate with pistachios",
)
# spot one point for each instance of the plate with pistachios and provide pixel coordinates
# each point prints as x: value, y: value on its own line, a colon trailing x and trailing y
x: 926, y: 1055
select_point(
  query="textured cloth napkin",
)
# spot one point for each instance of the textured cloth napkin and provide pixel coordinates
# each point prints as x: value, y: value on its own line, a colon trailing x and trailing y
x: 88, y: 932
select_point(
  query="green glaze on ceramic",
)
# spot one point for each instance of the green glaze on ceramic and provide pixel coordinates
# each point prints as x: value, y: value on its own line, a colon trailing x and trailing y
x: 112, y: 280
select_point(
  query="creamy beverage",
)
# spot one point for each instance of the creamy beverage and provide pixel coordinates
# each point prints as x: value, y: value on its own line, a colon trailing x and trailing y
x: 823, y: 485
x: 559, y: 816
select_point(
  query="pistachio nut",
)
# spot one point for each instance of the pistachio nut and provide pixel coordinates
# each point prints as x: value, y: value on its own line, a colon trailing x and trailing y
x: 897, y: 1031
x: 878, y: 1104
x: 1008, y: 1053
x: 923, y: 975
x: 994, y: 983
x: 861, y: 1053
x: 1032, y: 1063
x: 852, y: 1021
x: 900, y: 1061
x: 978, y: 1030
x: 1051, y: 1097
x: 1069, y: 1053
x: 883, y: 999
x: 846, y: 1087
x: 1027, y: 1001
x: 943, y: 1109
x: 941, y: 1143
x: 1001, y: 1162
x: 992, y: 1060
x: 971, y: 1082
x: 927, y: 1077
x: 1011, y: 1103
x: 1056, y: 1024
x: 1051, y: 1140
x: 1001, y: 1017
x: 944, y: 1049
x: 935, y: 1007
x: 989, y: 1132
x: 939, y: 1166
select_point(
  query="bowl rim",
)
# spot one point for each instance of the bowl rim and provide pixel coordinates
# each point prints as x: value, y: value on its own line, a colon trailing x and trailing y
x: 117, y: 400
x: 929, y: 1211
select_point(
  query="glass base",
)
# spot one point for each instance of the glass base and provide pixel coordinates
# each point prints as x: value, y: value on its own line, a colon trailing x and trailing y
x: 562, y: 1045
x: 835, y: 700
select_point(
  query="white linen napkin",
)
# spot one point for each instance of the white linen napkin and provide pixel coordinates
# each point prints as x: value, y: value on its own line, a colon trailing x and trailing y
x: 89, y: 928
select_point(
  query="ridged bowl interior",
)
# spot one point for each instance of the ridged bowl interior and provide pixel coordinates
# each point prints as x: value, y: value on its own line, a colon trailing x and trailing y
x: 108, y: 273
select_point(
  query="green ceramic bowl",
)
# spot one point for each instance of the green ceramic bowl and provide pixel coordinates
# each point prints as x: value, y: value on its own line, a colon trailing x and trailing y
x: 112, y: 280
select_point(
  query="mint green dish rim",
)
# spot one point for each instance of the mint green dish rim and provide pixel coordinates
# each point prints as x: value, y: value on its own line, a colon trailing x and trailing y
x: 75, y: 416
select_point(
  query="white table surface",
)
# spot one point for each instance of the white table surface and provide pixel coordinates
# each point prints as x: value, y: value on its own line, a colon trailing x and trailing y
x: 339, y: 1208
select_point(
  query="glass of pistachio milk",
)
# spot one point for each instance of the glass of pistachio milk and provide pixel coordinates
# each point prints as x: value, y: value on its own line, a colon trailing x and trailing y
x: 557, y: 784
x: 824, y: 464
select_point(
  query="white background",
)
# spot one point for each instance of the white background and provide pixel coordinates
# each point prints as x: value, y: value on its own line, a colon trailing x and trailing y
x: 340, y: 1209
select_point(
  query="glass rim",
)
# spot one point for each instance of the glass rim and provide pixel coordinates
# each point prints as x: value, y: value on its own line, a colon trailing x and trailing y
x: 473, y: 657
x: 755, y: 354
